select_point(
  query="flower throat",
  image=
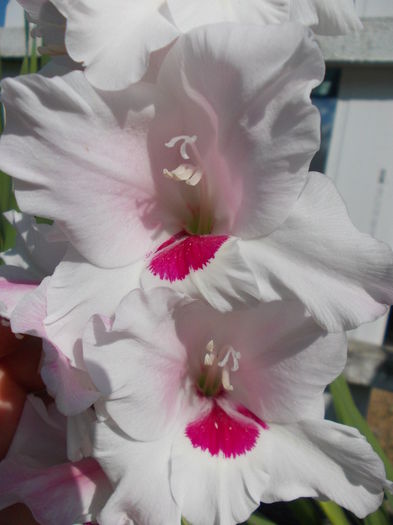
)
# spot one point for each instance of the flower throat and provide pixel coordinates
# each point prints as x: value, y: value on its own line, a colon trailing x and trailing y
x: 193, y: 174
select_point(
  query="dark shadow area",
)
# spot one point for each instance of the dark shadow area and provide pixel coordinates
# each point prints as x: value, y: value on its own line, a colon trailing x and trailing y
x: 324, y: 97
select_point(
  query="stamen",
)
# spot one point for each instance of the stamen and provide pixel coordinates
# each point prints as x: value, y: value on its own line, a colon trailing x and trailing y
x: 235, y: 359
x: 226, y: 382
x: 185, y: 173
x: 186, y: 139
x: 210, y: 346
x: 209, y: 359
x: 212, y: 380
x: 5, y: 322
x: 210, y: 356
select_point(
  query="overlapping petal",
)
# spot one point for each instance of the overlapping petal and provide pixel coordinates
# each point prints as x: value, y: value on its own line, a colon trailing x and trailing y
x: 111, y: 147
x: 155, y: 347
x: 191, y: 13
x: 35, y: 468
x: 71, y: 387
x: 99, y: 34
x: 140, y: 475
x: 77, y: 291
x: 38, y: 248
x: 344, y: 277
x: 99, y: 144
x: 255, y: 136
x: 311, y: 458
x: 295, y: 456
x: 138, y: 361
x: 244, y: 444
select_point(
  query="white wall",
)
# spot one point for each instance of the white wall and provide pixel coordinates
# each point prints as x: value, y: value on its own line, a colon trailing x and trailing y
x: 14, y: 15
x: 374, y: 8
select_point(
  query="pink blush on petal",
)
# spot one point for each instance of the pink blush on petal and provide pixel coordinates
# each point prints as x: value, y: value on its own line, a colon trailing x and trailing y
x: 218, y: 433
x: 247, y: 413
x: 180, y: 254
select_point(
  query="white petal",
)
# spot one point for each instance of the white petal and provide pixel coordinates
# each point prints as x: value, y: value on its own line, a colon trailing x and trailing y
x: 15, y: 284
x: 255, y: 125
x: 36, y: 466
x: 101, y: 35
x: 214, y: 489
x: 287, y: 361
x: 29, y: 314
x: 78, y: 290
x: 225, y: 281
x: 344, y: 277
x: 194, y: 13
x: 71, y: 387
x: 140, y: 475
x: 33, y: 250
x: 138, y: 363
x: 321, y: 459
x: 98, y: 146
x: 327, y: 17
x: 37, y: 418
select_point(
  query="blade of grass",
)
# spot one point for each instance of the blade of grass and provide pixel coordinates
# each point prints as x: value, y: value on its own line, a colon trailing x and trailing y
x: 33, y: 57
x: 377, y: 518
x: 334, y: 513
x: 304, y: 511
x: 259, y: 520
x: 7, y: 202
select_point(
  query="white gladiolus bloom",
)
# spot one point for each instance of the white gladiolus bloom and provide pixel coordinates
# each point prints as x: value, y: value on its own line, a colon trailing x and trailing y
x: 206, y: 414
x: 199, y: 182
x: 100, y: 34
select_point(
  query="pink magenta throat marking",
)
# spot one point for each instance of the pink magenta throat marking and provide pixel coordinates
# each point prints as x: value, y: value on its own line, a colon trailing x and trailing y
x: 218, y: 432
x: 180, y: 254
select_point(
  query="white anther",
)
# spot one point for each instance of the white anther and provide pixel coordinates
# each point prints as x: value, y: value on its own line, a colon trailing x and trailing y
x: 19, y: 336
x: 185, y: 173
x: 186, y: 139
x: 209, y: 359
x: 210, y: 346
x: 195, y: 179
x: 226, y: 382
x: 5, y: 322
x: 235, y: 359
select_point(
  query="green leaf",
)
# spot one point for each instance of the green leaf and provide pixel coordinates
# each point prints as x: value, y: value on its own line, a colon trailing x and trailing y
x: 259, y: 520
x: 334, y: 513
x: 33, y: 66
x: 2, y: 118
x: 24, y: 70
x: 304, y: 511
x: 184, y: 522
x: 377, y: 518
x: 7, y: 202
